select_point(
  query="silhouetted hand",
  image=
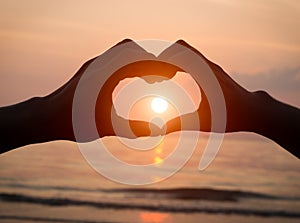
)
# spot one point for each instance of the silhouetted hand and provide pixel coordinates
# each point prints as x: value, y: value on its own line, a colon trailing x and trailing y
x: 50, y: 118
x: 248, y: 111
x: 237, y: 99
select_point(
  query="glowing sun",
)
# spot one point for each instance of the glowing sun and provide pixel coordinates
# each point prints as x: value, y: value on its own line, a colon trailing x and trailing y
x: 159, y: 105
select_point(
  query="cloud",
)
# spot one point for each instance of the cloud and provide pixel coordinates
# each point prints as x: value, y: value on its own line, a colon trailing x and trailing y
x: 283, y: 84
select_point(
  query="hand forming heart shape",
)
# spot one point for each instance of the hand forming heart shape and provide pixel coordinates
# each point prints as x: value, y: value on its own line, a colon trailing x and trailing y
x: 50, y: 117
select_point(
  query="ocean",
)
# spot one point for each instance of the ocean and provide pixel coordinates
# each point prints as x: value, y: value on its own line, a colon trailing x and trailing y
x: 251, y: 180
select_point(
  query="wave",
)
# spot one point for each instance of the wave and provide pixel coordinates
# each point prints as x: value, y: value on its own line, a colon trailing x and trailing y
x: 170, y: 193
x: 41, y: 219
x: 9, y: 197
x: 195, y: 194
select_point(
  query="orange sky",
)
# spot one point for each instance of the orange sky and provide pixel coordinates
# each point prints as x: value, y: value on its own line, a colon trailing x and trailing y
x: 43, y: 43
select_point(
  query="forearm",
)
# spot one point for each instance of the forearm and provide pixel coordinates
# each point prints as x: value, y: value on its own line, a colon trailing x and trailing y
x: 26, y: 123
x: 258, y: 113
x: 277, y: 121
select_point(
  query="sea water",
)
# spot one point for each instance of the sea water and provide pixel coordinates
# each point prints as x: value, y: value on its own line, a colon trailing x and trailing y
x: 252, y: 179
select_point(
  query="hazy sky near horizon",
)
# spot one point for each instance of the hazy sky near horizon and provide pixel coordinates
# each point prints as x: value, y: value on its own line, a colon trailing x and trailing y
x: 43, y: 43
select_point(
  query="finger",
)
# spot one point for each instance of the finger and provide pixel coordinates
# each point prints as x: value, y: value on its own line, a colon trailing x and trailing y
x: 109, y: 123
x: 187, y: 122
x: 173, y: 49
x: 166, y: 70
x: 142, y: 129
x: 154, y: 71
x: 131, y: 129
x: 178, y: 47
x: 181, y: 45
x: 217, y: 70
x: 194, y: 121
x: 170, y: 70
x: 130, y: 44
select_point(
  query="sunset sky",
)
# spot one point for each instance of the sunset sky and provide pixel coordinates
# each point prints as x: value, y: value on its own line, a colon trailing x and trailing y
x: 85, y: 164
x: 43, y: 43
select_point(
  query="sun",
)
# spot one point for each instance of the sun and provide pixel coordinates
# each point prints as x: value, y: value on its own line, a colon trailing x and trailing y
x: 159, y: 105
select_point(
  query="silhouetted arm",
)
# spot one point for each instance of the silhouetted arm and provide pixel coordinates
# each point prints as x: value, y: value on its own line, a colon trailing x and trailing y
x: 25, y: 123
x: 50, y: 118
x: 277, y: 121
x: 247, y: 111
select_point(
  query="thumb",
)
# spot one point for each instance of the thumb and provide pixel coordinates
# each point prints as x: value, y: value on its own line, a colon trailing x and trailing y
x: 186, y: 122
x: 133, y: 128
x: 142, y: 128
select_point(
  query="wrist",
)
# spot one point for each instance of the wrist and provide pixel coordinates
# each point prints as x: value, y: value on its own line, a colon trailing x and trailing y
x: 59, y: 118
x: 261, y: 112
x: 277, y: 121
x: 241, y: 112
